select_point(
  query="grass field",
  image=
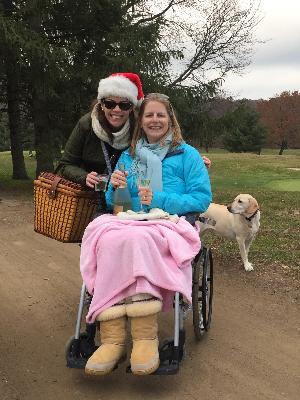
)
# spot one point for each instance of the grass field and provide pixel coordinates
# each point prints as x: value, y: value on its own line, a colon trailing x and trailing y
x: 272, y: 179
x: 16, y: 187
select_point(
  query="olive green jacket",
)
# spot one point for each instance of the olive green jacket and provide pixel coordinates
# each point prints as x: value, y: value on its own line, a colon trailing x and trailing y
x: 83, y: 153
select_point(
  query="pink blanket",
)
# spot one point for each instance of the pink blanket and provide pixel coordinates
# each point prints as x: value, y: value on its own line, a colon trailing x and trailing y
x: 120, y: 258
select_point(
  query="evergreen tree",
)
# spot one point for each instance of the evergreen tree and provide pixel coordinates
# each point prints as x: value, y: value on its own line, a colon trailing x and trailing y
x: 243, y: 131
x: 64, y: 48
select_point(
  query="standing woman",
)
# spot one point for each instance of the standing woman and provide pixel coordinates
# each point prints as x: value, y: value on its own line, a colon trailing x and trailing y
x: 101, y: 135
x: 133, y: 268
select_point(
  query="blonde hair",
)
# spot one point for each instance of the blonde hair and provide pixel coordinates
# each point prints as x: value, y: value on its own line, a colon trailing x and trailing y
x: 138, y: 131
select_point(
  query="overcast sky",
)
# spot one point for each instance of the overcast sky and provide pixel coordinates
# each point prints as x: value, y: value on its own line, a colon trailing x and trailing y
x: 276, y: 63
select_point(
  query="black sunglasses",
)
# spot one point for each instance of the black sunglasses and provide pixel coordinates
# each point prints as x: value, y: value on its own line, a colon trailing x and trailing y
x: 111, y: 104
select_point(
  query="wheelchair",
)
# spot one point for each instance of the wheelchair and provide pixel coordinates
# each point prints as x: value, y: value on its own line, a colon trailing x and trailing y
x: 82, y: 344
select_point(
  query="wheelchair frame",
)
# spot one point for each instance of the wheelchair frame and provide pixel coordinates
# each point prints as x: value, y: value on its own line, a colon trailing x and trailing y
x: 171, y: 352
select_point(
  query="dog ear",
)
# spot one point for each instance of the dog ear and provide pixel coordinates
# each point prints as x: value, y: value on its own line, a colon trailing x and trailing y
x: 253, y: 206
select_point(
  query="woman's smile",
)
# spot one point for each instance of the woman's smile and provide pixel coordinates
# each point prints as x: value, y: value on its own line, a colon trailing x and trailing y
x: 116, y: 117
x: 155, y: 121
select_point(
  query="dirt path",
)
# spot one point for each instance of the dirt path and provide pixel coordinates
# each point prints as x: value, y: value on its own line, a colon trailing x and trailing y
x: 251, y: 352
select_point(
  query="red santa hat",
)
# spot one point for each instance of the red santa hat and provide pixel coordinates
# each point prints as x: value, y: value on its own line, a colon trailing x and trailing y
x: 122, y: 84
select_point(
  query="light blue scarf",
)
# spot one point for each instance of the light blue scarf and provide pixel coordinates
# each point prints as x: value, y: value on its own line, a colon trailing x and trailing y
x: 148, y: 158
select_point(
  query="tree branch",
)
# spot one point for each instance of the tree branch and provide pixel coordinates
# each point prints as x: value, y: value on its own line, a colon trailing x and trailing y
x: 225, y: 40
x: 171, y: 4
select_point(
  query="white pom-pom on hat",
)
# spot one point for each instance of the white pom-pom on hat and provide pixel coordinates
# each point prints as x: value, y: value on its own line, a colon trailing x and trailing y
x: 122, y: 84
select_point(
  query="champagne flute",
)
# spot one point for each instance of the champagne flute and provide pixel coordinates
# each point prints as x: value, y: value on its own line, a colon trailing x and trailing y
x: 146, y: 184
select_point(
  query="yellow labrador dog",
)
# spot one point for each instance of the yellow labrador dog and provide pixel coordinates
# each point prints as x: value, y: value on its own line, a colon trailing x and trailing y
x: 238, y: 221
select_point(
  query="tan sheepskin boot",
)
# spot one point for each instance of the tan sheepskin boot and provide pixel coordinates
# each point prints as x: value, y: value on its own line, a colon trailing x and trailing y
x: 144, y: 356
x: 113, y: 335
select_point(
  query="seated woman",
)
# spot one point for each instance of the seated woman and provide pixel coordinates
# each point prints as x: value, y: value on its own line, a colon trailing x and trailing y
x: 133, y: 268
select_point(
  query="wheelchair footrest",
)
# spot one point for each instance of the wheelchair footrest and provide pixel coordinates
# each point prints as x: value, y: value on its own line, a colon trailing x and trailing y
x: 74, y: 362
x: 78, y: 351
x: 167, y: 368
x: 169, y: 356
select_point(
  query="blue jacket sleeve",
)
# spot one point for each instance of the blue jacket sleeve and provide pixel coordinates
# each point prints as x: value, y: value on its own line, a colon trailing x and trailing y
x: 197, y: 194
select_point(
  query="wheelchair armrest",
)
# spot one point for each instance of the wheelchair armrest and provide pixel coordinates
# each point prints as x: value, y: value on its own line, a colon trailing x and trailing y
x: 192, y: 217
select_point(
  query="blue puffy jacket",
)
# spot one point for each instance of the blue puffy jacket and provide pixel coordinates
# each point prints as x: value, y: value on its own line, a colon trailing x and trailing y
x: 186, y: 184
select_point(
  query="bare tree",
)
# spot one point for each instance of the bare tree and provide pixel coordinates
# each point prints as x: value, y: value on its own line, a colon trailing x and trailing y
x: 208, y: 38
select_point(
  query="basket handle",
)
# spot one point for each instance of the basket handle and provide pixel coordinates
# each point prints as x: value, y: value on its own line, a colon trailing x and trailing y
x: 53, y: 188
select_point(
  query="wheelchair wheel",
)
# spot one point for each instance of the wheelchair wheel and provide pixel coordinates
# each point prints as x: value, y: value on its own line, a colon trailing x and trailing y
x: 78, y: 351
x: 202, y: 292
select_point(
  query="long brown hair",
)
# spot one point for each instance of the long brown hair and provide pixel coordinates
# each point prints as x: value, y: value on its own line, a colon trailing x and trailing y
x: 138, y: 131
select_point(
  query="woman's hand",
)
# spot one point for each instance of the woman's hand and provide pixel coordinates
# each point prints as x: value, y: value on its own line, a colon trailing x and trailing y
x: 207, y: 161
x: 145, y: 195
x: 91, y: 179
x: 118, y: 178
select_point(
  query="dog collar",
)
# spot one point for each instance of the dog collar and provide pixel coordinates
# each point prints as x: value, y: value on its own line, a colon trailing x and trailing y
x: 252, y: 216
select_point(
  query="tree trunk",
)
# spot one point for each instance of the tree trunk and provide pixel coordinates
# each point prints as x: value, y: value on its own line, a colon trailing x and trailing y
x: 43, y: 140
x: 40, y: 92
x: 12, y: 75
x: 283, y: 146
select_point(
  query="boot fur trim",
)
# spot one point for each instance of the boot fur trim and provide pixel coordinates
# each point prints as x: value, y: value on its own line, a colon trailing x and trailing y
x: 114, y: 312
x: 141, y: 296
x: 143, y: 308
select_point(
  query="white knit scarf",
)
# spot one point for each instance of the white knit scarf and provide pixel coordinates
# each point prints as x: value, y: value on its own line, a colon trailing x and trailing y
x: 121, y: 138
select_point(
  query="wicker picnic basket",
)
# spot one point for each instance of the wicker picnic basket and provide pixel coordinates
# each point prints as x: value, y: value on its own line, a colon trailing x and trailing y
x: 63, y: 208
